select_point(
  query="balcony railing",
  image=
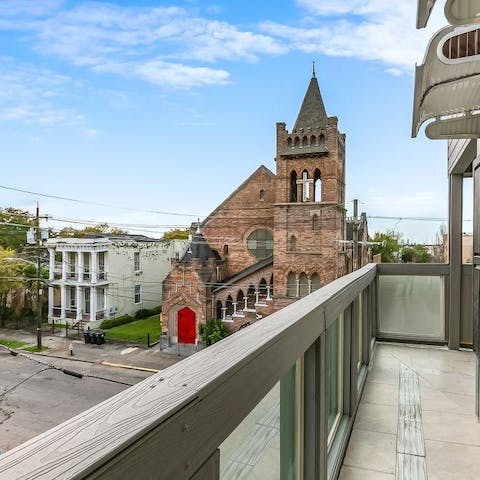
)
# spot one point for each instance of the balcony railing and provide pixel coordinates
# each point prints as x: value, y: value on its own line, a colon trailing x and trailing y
x: 280, y: 395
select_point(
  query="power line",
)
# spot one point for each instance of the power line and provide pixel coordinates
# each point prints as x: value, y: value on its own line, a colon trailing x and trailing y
x: 98, y: 204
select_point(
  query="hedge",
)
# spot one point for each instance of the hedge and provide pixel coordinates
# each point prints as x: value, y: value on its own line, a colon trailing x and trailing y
x: 147, y: 312
x: 115, y: 322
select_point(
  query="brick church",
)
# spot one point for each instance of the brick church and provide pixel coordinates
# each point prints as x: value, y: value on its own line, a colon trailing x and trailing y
x: 276, y: 238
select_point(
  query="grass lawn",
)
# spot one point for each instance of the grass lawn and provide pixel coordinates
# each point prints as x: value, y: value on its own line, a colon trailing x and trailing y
x: 12, y: 343
x: 136, y: 331
x: 33, y: 348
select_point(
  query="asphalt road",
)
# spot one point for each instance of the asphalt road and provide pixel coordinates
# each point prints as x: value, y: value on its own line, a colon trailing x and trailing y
x: 35, y: 396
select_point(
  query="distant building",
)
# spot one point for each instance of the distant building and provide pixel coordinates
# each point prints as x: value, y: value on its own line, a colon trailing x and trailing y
x: 467, y: 248
x: 104, y: 276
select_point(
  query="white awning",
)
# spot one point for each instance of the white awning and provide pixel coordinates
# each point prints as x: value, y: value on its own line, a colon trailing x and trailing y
x: 462, y: 12
x: 446, y: 88
x: 424, y: 9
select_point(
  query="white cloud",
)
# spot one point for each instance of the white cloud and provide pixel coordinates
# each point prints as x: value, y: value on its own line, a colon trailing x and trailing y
x: 374, y: 30
x: 27, y: 94
x: 175, y: 75
x: 104, y: 36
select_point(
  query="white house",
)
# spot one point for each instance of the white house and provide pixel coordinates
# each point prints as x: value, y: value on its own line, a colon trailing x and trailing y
x: 103, y: 276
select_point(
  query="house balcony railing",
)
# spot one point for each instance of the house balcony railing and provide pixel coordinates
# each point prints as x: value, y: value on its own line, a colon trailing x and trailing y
x: 279, y: 395
x: 69, y: 312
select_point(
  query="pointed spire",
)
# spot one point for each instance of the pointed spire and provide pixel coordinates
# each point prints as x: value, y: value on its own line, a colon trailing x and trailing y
x: 312, y: 113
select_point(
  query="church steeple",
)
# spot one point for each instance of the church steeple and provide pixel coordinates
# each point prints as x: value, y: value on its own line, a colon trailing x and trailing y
x: 312, y: 113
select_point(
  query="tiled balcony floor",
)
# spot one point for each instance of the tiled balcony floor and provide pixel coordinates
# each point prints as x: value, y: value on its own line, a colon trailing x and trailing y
x: 447, y: 425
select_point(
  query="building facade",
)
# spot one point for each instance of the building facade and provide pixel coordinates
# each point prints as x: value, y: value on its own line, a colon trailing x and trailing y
x: 107, y: 276
x: 275, y: 239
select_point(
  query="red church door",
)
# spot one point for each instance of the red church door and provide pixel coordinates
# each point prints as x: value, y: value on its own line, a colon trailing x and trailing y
x: 187, y: 332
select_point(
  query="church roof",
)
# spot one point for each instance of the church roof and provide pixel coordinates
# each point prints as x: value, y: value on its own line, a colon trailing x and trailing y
x: 312, y: 113
x: 199, y: 249
x: 259, y: 169
x: 245, y: 273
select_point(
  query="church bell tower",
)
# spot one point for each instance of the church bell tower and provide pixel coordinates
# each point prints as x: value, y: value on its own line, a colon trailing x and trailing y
x: 309, y: 218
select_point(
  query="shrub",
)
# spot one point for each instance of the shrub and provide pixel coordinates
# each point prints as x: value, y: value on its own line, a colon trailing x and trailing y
x: 213, y: 331
x: 115, y: 322
x: 147, y: 312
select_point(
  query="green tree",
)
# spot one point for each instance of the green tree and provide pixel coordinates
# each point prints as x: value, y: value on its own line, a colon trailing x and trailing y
x: 389, y: 245
x: 177, y: 234
x: 10, y: 280
x: 103, y: 228
x: 421, y: 254
x: 408, y: 255
x: 13, y: 233
x: 213, y: 331
x: 416, y: 254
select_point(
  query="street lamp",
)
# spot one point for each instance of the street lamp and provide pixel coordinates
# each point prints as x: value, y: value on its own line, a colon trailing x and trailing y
x: 39, y: 303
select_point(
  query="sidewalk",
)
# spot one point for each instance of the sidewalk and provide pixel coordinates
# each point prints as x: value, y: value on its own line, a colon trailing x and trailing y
x: 116, y: 353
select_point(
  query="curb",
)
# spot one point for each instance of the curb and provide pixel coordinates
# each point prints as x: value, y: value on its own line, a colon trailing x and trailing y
x: 131, y: 367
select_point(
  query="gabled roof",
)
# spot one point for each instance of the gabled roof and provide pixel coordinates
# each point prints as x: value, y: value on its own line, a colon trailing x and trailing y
x: 259, y: 169
x: 312, y: 113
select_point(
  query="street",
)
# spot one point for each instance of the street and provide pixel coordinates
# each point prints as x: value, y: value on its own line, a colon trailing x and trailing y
x: 36, y: 395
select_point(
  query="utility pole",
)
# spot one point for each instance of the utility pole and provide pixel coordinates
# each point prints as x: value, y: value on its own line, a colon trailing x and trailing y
x: 355, y: 235
x: 39, y: 299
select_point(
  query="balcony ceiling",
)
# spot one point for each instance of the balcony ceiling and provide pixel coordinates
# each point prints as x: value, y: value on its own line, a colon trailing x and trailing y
x: 424, y: 9
x: 446, y: 88
x: 462, y: 12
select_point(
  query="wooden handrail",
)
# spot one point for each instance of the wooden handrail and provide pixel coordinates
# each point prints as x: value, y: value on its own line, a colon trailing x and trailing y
x: 168, y: 425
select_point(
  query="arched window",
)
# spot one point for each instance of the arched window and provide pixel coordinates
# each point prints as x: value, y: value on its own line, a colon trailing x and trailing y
x: 315, y: 282
x: 315, y: 222
x: 291, y: 285
x: 303, y: 281
x: 262, y: 288
x: 240, y: 301
x: 251, y: 297
x: 296, y: 142
x: 317, y: 185
x: 229, y: 305
x: 292, y: 243
x: 289, y: 142
x: 313, y: 141
x: 225, y: 250
x: 305, y: 186
x: 293, y: 187
x: 305, y: 141
x: 321, y: 140
x: 219, y: 310
x: 262, y: 195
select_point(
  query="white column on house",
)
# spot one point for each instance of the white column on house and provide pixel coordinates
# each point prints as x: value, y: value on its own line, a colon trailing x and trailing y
x: 93, y: 304
x: 51, y: 297
x: 64, y: 265
x: 94, y: 267
x: 63, y: 300
x: 105, y: 297
x: 81, y: 265
x: 79, y: 302
x: 51, y: 273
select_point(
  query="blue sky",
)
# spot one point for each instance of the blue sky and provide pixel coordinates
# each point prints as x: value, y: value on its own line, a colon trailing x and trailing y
x: 169, y: 106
